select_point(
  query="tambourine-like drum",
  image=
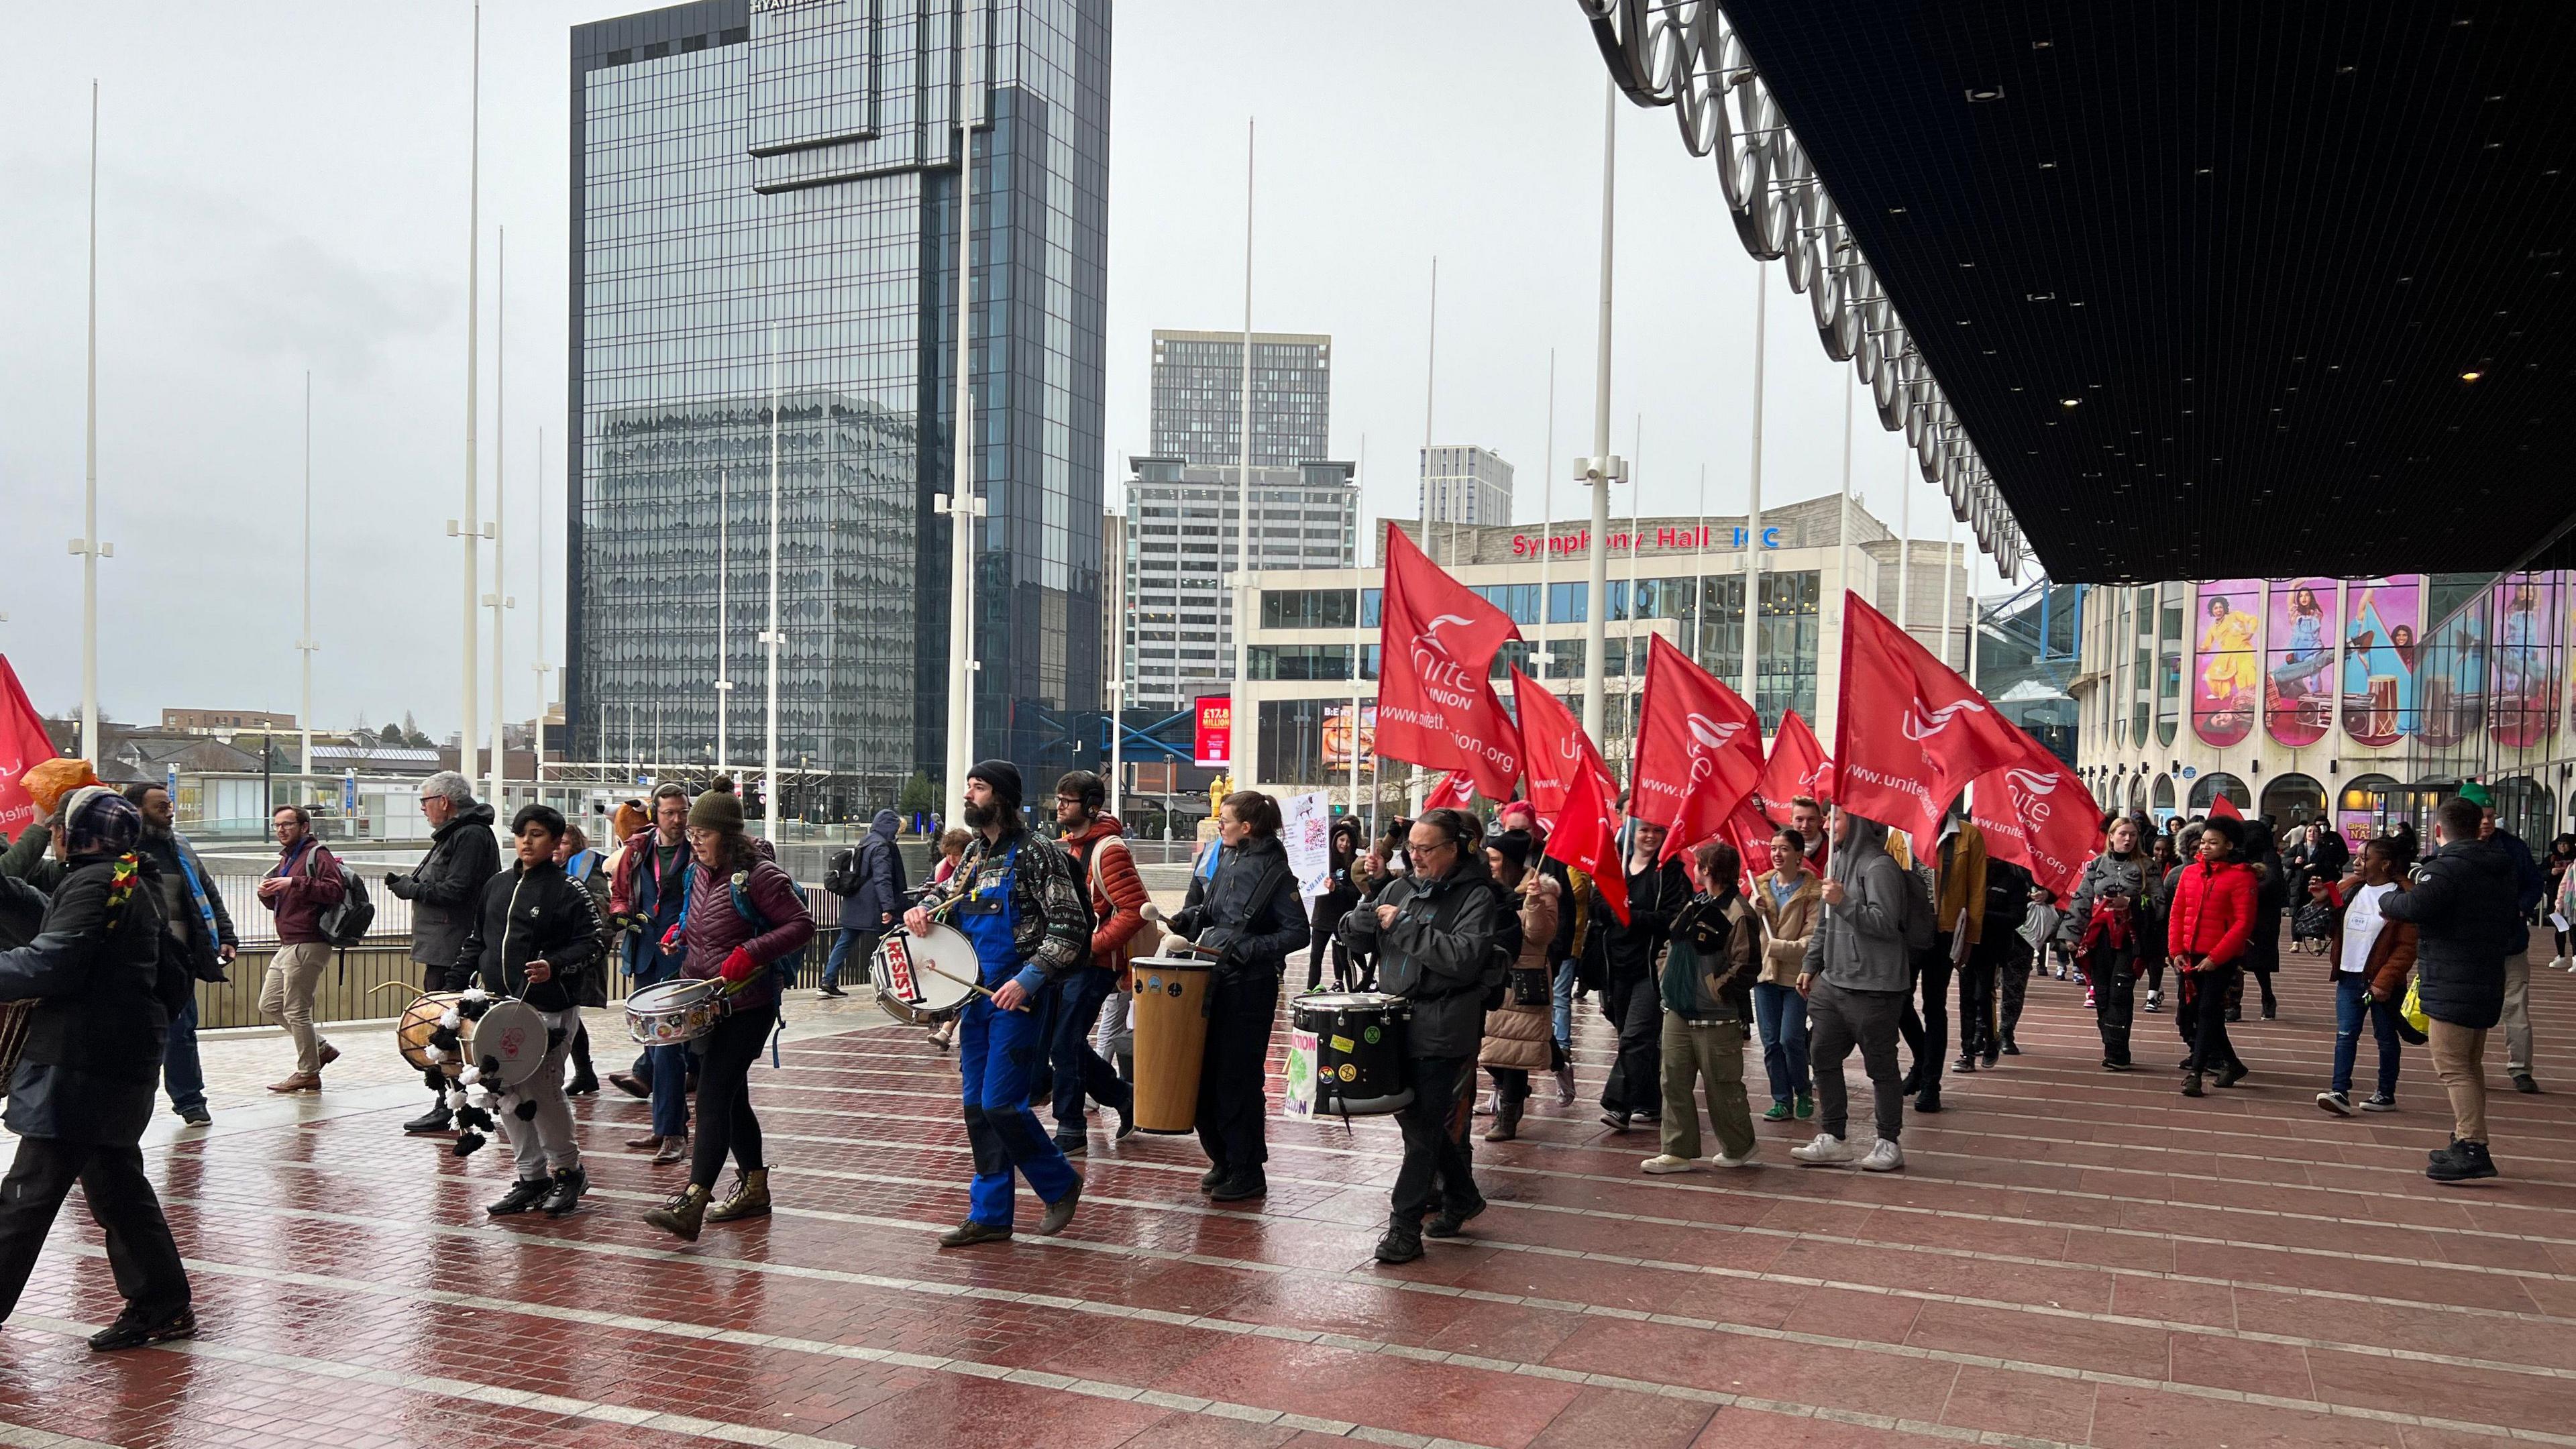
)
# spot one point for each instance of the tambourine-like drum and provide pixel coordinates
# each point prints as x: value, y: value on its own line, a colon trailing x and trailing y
x: 509, y: 1044
x: 671, y: 1012
x: 908, y: 987
x: 1170, y: 1020
x: 420, y: 1022
x: 1359, y: 1050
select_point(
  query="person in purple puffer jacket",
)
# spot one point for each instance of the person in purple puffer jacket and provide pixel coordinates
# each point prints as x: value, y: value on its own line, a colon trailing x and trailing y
x: 742, y: 914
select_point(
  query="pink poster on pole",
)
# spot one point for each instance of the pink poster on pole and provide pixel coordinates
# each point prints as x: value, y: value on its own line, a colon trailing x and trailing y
x: 2298, y: 679
x: 2227, y: 660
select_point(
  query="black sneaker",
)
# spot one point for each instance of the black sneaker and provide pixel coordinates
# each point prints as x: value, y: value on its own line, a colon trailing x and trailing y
x: 563, y: 1194
x: 436, y: 1119
x: 2011, y: 1049
x: 2461, y: 1162
x: 1451, y: 1220
x: 1241, y: 1186
x: 1928, y: 1100
x: 1615, y: 1121
x: 1965, y: 1064
x: 829, y: 989
x: 2338, y: 1103
x: 2523, y: 1083
x: 197, y: 1116
x: 2110, y: 1065
x: 132, y: 1330
x: 1209, y: 1179
x: 1991, y: 1054
x: 1072, y: 1144
x: 2231, y: 1074
x: 1399, y: 1246
x: 523, y: 1196
x: 1126, y: 1116
x: 2379, y: 1102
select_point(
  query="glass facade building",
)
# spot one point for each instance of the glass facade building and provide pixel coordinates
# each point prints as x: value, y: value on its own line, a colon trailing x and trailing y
x: 764, y: 205
x: 1197, y: 407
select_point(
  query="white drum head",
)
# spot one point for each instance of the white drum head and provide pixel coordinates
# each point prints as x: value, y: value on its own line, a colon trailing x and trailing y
x: 510, y: 1044
x: 924, y: 977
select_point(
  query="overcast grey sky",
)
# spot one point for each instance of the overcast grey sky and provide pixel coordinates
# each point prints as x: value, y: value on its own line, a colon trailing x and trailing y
x: 283, y: 187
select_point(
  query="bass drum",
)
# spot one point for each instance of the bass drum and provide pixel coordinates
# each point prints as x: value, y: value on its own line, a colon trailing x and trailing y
x: 420, y: 1022
x: 1359, y: 1050
x: 909, y: 989
x: 1171, y: 1025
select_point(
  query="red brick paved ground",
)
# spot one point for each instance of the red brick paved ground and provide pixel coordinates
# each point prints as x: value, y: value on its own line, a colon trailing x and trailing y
x: 2072, y: 1258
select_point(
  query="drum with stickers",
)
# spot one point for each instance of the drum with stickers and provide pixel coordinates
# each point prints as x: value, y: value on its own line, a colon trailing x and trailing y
x: 1359, y: 1050
x: 924, y: 978
x: 1170, y: 1020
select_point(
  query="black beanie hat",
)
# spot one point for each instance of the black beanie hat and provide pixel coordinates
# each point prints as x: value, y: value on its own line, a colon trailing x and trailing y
x: 1514, y: 844
x: 1004, y: 777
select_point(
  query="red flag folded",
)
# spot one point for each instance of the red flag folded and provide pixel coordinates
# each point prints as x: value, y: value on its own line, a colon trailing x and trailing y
x: 1586, y: 839
x: 1798, y: 766
x: 2036, y: 814
x: 1454, y: 792
x: 1436, y: 643
x: 1911, y: 732
x: 1699, y: 750
x: 23, y: 745
x: 1554, y: 748
x: 2223, y: 808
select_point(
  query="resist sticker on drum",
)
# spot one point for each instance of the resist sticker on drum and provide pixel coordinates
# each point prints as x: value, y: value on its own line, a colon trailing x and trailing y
x: 899, y: 971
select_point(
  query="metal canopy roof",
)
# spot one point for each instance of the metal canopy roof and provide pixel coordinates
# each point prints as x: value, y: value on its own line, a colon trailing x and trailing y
x: 2203, y: 285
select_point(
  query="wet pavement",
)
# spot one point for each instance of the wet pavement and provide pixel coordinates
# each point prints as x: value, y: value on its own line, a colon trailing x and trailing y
x: 2072, y: 1257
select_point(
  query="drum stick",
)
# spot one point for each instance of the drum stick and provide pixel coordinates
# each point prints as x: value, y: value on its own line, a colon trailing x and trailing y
x: 960, y: 980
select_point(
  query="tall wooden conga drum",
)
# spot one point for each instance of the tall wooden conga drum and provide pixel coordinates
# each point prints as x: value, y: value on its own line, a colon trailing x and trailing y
x: 1171, y: 1024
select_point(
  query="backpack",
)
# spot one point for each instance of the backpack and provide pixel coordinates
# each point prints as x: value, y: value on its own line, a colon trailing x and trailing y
x: 1916, y: 919
x: 793, y: 962
x: 346, y: 924
x: 842, y: 878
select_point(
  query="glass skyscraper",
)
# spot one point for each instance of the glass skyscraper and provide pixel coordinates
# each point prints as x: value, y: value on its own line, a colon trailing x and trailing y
x: 764, y: 204
x: 1198, y: 398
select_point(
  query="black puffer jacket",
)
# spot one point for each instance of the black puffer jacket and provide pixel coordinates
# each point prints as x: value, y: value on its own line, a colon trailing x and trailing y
x: 2462, y: 906
x: 1250, y: 911
x: 1656, y: 895
x: 447, y: 885
x: 1442, y: 952
x: 94, y: 1041
x: 533, y: 913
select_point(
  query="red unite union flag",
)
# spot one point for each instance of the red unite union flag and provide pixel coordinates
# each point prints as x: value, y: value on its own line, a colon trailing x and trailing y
x: 1456, y: 791
x: 1911, y: 733
x: 23, y: 746
x: 1436, y: 706
x: 1554, y: 749
x: 1798, y: 766
x: 1699, y: 751
x: 2036, y: 814
x: 1586, y: 838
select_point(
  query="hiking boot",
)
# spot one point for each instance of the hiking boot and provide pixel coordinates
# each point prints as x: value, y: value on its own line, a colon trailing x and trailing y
x: 132, y: 1330
x: 630, y: 1085
x: 436, y: 1119
x: 674, y: 1149
x: 970, y: 1232
x: 2339, y: 1103
x: 1241, y: 1186
x: 1826, y: 1151
x: 1884, y: 1156
x: 683, y: 1215
x: 523, y: 1196
x: 564, y: 1194
x: 1449, y: 1221
x: 1400, y: 1245
x: 2523, y: 1083
x: 1664, y: 1162
x: 1059, y: 1213
x: 1779, y: 1112
x: 2379, y: 1102
x: 750, y: 1197
x: 2461, y: 1162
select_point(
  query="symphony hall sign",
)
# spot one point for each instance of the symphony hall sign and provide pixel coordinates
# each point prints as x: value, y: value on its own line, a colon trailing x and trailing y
x: 1662, y: 539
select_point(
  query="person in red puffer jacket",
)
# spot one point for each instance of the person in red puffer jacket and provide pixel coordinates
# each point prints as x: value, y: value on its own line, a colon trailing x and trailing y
x: 725, y: 940
x: 2206, y: 934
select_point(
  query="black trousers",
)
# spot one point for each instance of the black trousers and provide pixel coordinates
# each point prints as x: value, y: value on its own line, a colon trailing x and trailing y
x: 140, y: 1250
x: 1242, y: 1008
x: 1435, y: 1151
x: 1076, y: 1067
x: 2012, y: 984
x: 726, y: 1125
x: 2210, y: 1049
x: 1636, y: 1082
x: 1927, y: 1034
x: 1978, y: 1030
x: 1328, y: 940
x: 2114, y: 999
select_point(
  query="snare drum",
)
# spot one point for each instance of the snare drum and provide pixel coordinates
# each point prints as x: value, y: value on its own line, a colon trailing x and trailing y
x: 671, y: 1012
x: 1359, y: 1050
x: 908, y: 986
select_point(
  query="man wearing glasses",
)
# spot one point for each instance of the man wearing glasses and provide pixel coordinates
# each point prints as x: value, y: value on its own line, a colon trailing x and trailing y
x: 443, y: 890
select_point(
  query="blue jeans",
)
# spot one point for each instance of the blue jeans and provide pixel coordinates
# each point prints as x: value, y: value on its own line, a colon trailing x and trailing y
x: 1562, y: 991
x: 999, y: 1054
x: 2352, y: 1001
x: 180, y: 1073
x: 1780, y: 1014
x: 866, y: 940
x: 664, y: 1069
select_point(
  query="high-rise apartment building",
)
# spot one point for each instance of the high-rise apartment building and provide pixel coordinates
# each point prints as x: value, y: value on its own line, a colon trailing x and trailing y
x: 1181, y: 535
x: 1198, y: 398
x: 1465, y: 484
x: 765, y: 204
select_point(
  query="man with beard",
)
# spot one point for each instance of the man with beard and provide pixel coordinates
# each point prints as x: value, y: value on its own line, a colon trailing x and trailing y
x: 197, y: 920
x: 1016, y: 900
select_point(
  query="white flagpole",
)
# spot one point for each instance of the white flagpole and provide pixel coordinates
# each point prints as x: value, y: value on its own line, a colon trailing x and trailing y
x: 770, y: 636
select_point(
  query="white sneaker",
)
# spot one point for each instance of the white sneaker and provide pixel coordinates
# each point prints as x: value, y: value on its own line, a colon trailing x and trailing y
x: 1826, y: 1150
x: 1666, y: 1162
x: 1884, y: 1156
x: 1750, y: 1153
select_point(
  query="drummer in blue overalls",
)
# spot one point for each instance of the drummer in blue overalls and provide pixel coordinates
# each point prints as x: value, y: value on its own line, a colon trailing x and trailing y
x: 1015, y: 897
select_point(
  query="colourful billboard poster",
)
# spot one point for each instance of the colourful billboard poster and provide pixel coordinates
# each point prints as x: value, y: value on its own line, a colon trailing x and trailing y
x: 2298, y: 676
x: 2381, y: 619
x: 1337, y: 736
x: 2524, y: 704
x: 2227, y: 660
x: 1215, y: 734
x: 2451, y: 676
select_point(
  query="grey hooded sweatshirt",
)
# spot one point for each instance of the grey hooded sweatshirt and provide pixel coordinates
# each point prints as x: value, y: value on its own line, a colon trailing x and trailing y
x: 1860, y: 944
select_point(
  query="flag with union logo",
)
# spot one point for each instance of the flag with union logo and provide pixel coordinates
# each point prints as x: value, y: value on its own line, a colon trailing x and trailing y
x: 1554, y: 749
x: 1699, y: 752
x: 1436, y: 705
x: 1911, y: 733
x: 2036, y: 814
